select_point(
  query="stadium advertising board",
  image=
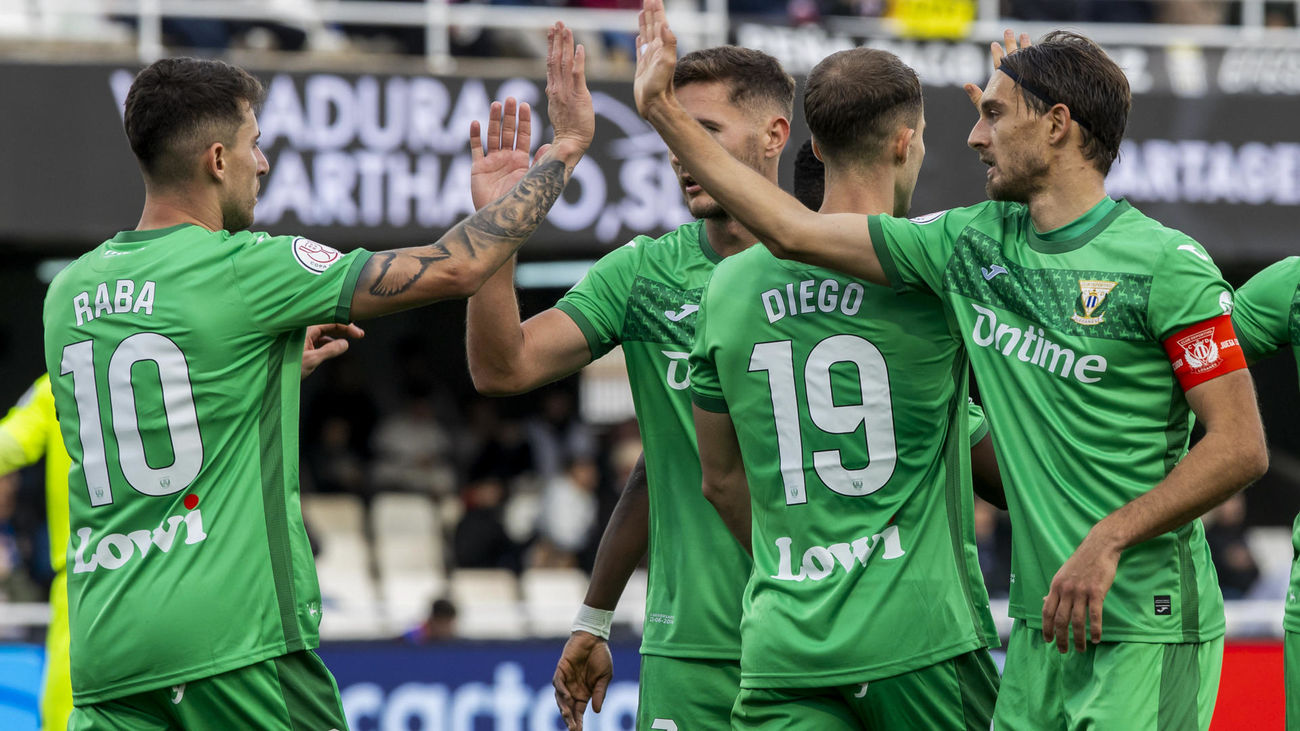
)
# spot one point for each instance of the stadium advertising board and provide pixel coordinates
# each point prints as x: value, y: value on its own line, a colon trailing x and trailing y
x: 382, y: 160
x: 468, y: 687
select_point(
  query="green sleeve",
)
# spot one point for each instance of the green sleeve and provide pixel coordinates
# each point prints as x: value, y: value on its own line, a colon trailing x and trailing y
x: 914, y: 252
x: 979, y: 426
x: 1187, y: 288
x: 706, y: 389
x: 290, y: 282
x: 1261, y: 314
x: 598, y: 303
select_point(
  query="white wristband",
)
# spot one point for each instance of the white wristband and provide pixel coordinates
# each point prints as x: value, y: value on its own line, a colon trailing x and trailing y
x: 595, y: 621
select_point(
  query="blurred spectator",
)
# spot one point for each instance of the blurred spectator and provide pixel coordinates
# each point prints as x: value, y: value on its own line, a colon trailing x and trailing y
x: 1225, y: 531
x: 412, y: 449
x: 1192, y: 12
x: 557, y: 436
x: 567, y: 516
x: 439, y: 626
x: 993, y: 543
x: 498, y: 446
x: 16, y: 585
x: 1094, y: 11
x: 481, y: 541
x: 339, y: 421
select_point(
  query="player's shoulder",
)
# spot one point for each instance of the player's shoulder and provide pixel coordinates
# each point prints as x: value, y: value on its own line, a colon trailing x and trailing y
x: 958, y: 218
x: 648, y: 248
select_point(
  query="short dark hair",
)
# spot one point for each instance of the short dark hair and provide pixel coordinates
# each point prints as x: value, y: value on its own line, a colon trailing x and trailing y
x: 754, y: 77
x: 1070, y: 69
x: 180, y: 105
x: 855, y: 100
x: 809, y: 177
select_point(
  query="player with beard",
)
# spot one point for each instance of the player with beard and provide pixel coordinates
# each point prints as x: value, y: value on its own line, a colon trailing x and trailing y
x: 175, y: 352
x: 1095, y: 333
x: 644, y: 296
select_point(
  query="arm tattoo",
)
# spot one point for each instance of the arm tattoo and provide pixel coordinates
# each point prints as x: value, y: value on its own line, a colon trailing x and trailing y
x: 383, y: 285
x: 496, y: 231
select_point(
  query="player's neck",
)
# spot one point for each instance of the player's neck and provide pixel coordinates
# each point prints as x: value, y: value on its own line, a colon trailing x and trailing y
x: 866, y: 194
x: 727, y: 237
x: 1066, y: 197
x: 167, y: 209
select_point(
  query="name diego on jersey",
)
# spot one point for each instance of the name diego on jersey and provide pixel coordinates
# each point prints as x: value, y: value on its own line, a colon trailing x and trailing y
x: 123, y: 297
x: 801, y: 299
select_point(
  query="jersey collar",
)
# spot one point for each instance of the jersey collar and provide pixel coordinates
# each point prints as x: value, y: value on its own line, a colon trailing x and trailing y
x: 705, y: 247
x: 133, y: 237
x: 1078, y: 232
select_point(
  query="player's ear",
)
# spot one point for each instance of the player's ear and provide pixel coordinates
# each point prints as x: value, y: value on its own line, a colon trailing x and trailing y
x: 817, y: 151
x: 903, y: 144
x: 214, y: 161
x: 778, y: 133
x: 1059, y: 118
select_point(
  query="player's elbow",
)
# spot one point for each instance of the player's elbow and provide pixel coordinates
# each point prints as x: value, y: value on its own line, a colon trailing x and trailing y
x: 715, y: 491
x: 1254, y: 459
x: 495, y: 381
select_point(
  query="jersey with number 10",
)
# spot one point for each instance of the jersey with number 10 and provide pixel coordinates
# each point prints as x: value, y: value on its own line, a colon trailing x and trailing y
x: 175, y: 359
x: 1267, y: 318
x: 850, y: 408
x: 645, y: 295
x: 1067, y: 335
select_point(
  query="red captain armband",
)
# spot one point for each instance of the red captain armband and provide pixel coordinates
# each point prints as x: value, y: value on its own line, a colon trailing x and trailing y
x: 1205, y: 351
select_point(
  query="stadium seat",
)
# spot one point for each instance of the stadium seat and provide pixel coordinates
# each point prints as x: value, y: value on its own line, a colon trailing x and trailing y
x: 409, y: 555
x: 487, y: 604
x: 551, y: 597
x: 350, y: 601
x: 631, y: 606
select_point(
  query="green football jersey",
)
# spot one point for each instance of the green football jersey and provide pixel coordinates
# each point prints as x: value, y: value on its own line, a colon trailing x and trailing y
x: 1266, y: 316
x: 1065, y: 332
x: 851, y: 412
x: 175, y: 357
x: 646, y: 296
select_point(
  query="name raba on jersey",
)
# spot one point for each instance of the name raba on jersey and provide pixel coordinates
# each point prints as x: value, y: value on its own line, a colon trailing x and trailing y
x: 116, y: 549
x: 124, y: 297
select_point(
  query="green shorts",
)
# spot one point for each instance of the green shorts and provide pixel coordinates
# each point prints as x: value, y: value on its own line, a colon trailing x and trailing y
x: 1136, y: 686
x: 1291, y: 679
x: 292, y: 691
x: 953, y: 695
x: 686, y: 694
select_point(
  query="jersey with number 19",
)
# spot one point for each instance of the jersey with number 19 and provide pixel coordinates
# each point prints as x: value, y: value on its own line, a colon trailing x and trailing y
x: 175, y: 359
x: 1083, y: 340
x: 851, y: 412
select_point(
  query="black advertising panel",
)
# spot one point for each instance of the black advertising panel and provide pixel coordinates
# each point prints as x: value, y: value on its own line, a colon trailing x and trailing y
x: 381, y: 160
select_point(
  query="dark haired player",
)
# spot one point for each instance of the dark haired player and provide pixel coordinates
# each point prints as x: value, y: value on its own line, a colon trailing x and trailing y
x: 174, y: 352
x: 1095, y: 334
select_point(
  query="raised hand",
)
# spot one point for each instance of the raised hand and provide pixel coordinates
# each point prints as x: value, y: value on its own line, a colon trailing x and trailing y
x: 569, y: 101
x: 501, y: 160
x: 999, y: 51
x: 656, y: 58
x: 581, y: 676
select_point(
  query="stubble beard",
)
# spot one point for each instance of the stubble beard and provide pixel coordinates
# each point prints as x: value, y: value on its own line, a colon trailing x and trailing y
x: 1021, y: 186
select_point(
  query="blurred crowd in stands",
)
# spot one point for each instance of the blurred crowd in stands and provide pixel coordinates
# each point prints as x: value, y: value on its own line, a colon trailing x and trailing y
x: 302, y: 28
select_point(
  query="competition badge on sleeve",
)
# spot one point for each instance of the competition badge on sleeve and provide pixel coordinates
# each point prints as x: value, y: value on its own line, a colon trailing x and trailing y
x: 1092, y: 296
x: 314, y: 257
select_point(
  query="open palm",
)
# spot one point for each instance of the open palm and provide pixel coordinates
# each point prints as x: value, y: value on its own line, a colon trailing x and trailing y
x: 500, y: 160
